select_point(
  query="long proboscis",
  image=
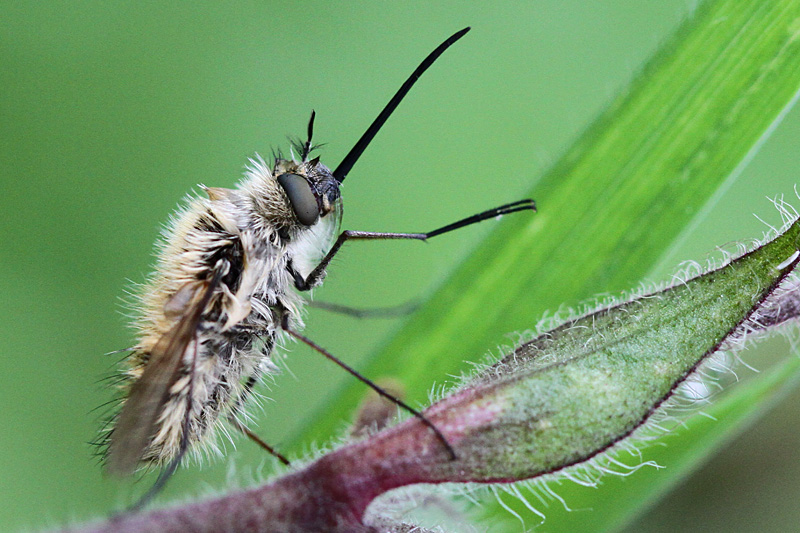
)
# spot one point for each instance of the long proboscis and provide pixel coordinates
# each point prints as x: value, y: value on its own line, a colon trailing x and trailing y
x: 350, y: 159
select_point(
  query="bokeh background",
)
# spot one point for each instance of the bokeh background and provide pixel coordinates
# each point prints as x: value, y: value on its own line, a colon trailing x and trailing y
x: 111, y: 112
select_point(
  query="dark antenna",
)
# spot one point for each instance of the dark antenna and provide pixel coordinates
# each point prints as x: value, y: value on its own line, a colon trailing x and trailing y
x: 350, y: 159
x: 307, y: 145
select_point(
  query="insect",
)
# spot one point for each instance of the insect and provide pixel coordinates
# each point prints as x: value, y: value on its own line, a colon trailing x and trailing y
x: 227, y: 290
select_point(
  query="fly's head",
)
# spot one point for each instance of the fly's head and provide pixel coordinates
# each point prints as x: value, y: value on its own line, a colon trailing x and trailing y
x: 309, y: 190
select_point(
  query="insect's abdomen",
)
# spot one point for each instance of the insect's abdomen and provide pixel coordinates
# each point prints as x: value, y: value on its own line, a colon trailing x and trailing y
x: 226, y: 367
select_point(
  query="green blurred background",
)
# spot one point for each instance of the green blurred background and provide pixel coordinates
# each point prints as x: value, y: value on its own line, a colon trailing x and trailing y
x: 111, y: 112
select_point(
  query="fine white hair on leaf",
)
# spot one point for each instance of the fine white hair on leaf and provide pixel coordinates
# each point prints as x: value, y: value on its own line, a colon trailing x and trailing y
x: 514, y: 490
x: 504, y: 505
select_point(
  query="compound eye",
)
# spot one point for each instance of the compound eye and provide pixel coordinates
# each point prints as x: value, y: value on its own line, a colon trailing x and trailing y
x: 302, y: 198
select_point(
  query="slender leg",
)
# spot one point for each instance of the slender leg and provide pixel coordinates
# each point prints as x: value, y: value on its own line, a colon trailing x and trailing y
x: 160, y: 483
x: 248, y: 387
x: 370, y: 312
x: 255, y: 438
x: 369, y: 383
x: 311, y: 280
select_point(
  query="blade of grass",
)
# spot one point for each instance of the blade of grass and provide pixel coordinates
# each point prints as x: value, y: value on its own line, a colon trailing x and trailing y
x: 614, y: 201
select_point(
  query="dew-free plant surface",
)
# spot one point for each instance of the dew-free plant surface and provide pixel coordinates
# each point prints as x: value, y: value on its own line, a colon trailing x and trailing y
x: 112, y: 112
x: 608, y: 210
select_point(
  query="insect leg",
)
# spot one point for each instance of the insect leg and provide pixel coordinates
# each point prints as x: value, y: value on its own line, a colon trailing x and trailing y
x: 304, y: 284
x: 370, y: 312
x: 248, y: 387
x: 160, y: 483
x: 255, y: 438
x: 285, y: 326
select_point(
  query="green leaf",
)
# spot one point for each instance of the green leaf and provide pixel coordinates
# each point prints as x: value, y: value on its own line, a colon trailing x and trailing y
x: 619, y: 499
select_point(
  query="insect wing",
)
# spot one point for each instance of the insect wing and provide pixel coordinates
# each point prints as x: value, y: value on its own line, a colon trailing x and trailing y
x: 138, y: 419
